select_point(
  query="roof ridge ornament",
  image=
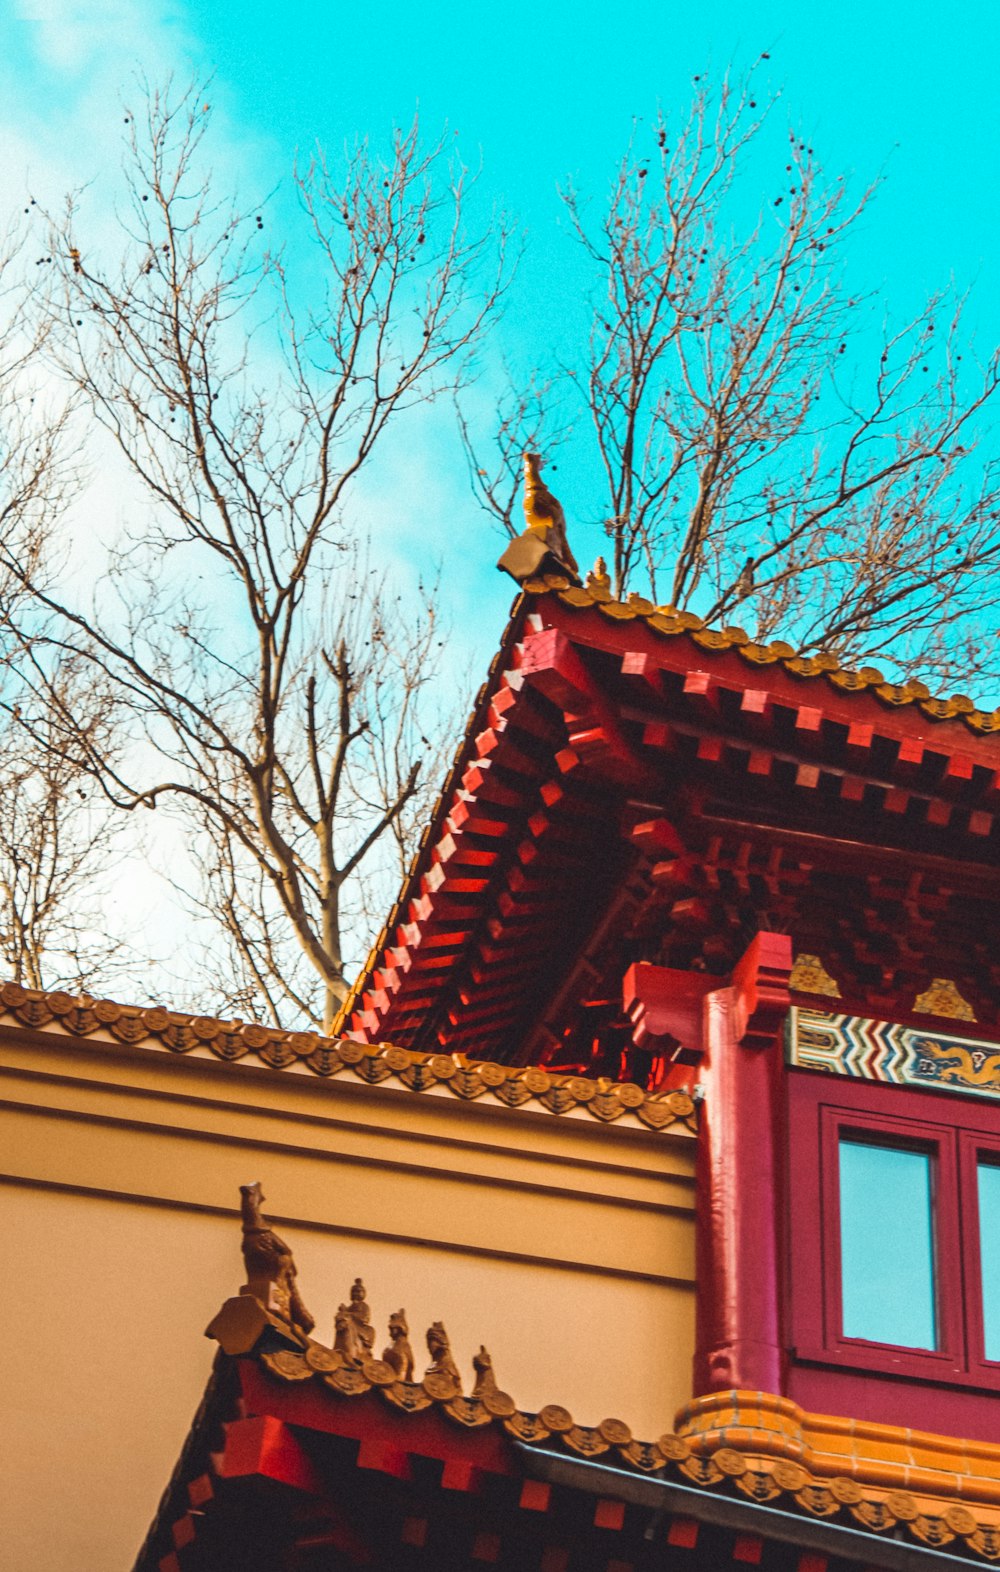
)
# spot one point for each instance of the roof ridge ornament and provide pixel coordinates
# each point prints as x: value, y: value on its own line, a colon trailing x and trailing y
x: 881, y: 1497
x: 270, y: 1265
x: 543, y: 546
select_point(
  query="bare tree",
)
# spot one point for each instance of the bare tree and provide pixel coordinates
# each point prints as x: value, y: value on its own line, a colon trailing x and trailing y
x: 56, y: 841
x: 37, y: 469
x: 361, y: 753
x: 771, y: 451
x: 275, y: 683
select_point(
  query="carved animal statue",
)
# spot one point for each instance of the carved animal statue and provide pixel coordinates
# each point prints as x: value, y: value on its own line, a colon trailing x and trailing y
x: 269, y: 1263
x: 362, y: 1317
x: 544, y: 515
x: 399, y: 1354
x: 486, y: 1381
x: 439, y: 1348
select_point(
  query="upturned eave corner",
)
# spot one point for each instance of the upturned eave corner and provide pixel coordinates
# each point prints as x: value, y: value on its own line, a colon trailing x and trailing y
x: 753, y: 1446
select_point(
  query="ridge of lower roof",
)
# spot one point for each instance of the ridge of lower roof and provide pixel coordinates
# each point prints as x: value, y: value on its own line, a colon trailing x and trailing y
x: 468, y: 1079
x: 758, y: 1466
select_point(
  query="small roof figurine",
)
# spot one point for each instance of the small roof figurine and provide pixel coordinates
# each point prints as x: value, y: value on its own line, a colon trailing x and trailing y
x: 543, y: 546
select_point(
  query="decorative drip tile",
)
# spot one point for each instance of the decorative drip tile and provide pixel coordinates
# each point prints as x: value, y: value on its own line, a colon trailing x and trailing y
x: 668, y: 622
x: 326, y: 1057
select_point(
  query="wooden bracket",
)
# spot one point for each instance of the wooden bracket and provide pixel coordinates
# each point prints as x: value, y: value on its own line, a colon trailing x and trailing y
x: 760, y: 984
x: 667, y: 1006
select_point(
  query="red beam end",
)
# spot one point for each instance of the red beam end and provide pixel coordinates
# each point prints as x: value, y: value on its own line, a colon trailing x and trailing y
x: 267, y: 1447
x: 748, y: 1548
x: 609, y: 1514
x: 486, y: 1547
x: 535, y: 1495
x: 683, y: 1532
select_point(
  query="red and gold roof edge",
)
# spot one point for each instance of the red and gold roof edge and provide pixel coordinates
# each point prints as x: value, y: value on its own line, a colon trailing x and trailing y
x: 668, y: 622
x: 937, y: 1489
x: 766, y: 1477
x: 326, y: 1057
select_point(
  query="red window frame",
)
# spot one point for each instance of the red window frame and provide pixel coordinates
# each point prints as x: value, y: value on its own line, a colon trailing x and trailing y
x: 974, y: 1145
x: 958, y: 1133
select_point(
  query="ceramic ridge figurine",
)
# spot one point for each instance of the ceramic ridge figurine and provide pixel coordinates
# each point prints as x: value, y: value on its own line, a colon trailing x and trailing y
x: 270, y: 1264
x: 362, y: 1317
x: 345, y: 1336
x: 399, y: 1355
x: 543, y: 514
x: 439, y: 1348
x: 542, y: 547
x: 486, y: 1381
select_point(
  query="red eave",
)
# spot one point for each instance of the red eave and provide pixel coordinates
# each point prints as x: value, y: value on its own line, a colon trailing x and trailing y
x: 592, y: 709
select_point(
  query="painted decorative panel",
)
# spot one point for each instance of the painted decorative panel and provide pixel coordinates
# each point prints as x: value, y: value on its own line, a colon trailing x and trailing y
x: 901, y: 1055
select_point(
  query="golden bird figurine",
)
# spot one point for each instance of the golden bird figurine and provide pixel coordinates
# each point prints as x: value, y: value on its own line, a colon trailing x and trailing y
x: 543, y: 514
x: 542, y: 547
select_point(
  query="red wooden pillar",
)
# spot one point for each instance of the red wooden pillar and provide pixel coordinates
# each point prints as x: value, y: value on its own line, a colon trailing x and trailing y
x: 738, y: 1334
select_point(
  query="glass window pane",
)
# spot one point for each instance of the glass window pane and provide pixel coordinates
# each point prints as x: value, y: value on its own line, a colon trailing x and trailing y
x: 886, y: 1245
x: 989, y: 1254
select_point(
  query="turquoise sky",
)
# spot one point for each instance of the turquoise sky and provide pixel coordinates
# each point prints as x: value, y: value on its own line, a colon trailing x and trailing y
x: 537, y: 93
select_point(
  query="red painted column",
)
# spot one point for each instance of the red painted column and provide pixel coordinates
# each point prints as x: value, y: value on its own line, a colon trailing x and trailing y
x: 738, y: 1333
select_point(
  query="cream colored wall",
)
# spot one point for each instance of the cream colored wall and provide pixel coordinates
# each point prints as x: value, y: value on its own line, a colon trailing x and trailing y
x: 563, y: 1244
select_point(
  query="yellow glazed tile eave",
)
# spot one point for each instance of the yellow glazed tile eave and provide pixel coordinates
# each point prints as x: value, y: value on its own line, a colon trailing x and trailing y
x: 326, y: 1057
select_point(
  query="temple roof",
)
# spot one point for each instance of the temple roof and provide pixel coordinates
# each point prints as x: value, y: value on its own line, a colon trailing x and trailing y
x: 748, y: 1461
x: 629, y: 777
x: 103, y: 1021
x: 668, y: 623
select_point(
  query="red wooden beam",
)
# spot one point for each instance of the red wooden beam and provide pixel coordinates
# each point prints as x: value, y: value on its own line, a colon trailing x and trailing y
x: 486, y: 1546
x: 384, y: 1457
x: 748, y: 1548
x: 536, y: 1495
x: 683, y: 1531
x: 909, y: 757
x: 641, y: 667
x: 667, y: 1005
x: 263, y: 1445
x: 859, y: 739
x: 711, y: 749
x: 760, y: 983
x: 701, y: 691
x: 472, y: 816
x: 808, y: 721
x: 609, y: 1513
x: 515, y: 754
x: 486, y: 784
x: 183, y: 1531
x: 309, y: 1406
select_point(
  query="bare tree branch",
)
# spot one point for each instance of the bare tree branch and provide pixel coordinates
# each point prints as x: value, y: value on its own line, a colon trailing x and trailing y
x: 770, y: 450
x: 276, y: 681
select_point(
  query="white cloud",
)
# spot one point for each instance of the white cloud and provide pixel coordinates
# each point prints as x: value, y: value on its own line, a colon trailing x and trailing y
x: 69, y: 37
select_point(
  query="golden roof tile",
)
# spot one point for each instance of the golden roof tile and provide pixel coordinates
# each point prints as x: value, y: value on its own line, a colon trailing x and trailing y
x: 755, y: 1444
x: 468, y: 1079
x: 668, y: 622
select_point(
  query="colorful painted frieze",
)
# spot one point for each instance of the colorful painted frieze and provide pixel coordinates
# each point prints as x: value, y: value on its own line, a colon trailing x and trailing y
x: 901, y: 1055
